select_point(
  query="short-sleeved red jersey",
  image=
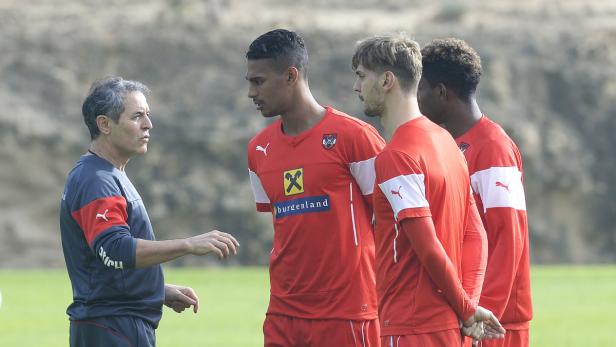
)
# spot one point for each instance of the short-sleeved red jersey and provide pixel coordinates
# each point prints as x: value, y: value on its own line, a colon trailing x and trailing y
x: 495, y: 167
x: 318, y: 186
x: 420, y: 173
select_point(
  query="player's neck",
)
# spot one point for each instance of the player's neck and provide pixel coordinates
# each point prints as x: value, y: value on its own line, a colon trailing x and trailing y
x: 463, y: 117
x: 105, y: 150
x: 399, y: 110
x: 303, y: 115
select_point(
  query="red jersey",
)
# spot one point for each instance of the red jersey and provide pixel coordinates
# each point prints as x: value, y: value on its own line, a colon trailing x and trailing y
x: 495, y: 167
x: 419, y: 174
x: 318, y: 186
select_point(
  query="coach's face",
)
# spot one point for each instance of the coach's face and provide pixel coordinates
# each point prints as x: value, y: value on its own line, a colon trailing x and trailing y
x: 131, y: 134
x: 268, y: 86
x: 369, y: 87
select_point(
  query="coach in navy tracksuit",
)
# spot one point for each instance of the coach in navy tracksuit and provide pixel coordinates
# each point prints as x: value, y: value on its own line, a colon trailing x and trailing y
x: 111, y: 254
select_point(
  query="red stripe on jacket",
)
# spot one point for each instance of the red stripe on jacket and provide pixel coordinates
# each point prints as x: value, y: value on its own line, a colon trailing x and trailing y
x: 100, y: 215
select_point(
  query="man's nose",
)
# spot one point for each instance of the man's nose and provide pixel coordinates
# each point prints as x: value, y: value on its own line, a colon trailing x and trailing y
x: 356, y: 86
x: 148, y: 123
x: 252, y: 92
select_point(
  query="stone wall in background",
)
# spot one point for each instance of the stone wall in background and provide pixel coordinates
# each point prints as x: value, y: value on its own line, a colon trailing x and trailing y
x: 549, y: 79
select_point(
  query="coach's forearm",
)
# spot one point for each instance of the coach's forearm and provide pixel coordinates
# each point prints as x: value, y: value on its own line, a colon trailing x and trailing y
x: 157, y: 252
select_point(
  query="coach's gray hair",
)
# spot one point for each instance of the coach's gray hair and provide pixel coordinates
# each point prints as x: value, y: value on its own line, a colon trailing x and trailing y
x: 391, y: 52
x: 106, y: 97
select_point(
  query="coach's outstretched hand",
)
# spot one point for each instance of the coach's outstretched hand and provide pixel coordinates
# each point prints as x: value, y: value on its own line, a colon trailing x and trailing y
x: 150, y: 252
x: 218, y: 242
x: 483, y: 324
x: 180, y: 298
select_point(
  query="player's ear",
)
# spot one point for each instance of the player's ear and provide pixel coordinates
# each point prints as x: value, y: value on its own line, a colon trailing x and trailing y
x: 388, y: 80
x: 442, y: 91
x: 103, y: 122
x: 292, y: 75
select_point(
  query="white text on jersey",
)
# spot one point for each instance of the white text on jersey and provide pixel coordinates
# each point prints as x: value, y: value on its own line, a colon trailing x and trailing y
x: 118, y: 265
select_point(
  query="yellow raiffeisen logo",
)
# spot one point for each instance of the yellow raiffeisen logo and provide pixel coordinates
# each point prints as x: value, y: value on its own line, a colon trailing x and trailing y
x: 293, y: 181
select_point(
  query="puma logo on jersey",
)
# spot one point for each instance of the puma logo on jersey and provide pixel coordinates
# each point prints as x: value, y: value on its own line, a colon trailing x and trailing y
x: 263, y: 149
x: 397, y: 192
x: 501, y: 184
x: 102, y: 216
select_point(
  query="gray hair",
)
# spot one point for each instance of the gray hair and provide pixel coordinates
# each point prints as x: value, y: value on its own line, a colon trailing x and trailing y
x: 106, y: 97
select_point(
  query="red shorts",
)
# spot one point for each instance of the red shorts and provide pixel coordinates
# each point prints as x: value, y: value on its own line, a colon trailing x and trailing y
x: 285, y: 331
x: 449, y: 338
x: 513, y: 338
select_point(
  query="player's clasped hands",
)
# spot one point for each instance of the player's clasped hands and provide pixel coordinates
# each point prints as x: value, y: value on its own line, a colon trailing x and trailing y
x: 218, y: 242
x: 483, y: 325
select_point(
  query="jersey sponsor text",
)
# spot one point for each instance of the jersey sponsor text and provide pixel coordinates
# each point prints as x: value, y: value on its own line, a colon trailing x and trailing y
x: 302, y: 205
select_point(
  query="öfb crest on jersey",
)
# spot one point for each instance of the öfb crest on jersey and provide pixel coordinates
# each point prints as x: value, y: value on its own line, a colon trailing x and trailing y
x: 463, y: 146
x: 329, y: 141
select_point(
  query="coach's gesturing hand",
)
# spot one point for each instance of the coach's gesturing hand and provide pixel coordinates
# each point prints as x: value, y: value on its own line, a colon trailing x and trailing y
x: 180, y: 298
x: 218, y: 242
x: 150, y: 252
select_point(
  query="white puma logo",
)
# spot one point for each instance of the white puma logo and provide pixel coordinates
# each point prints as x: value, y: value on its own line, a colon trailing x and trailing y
x: 102, y: 216
x: 264, y: 150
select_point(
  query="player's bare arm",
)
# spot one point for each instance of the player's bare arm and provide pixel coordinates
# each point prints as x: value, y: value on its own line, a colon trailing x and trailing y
x: 420, y: 232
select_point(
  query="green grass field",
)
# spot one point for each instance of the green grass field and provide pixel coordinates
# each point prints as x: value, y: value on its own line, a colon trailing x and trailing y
x: 574, y: 306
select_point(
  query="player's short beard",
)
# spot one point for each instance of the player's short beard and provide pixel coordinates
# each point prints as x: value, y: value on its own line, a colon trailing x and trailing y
x: 374, y: 109
x: 374, y: 103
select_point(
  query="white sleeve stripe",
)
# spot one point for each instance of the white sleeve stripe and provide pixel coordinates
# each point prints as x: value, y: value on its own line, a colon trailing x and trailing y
x: 353, y: 215
x: 499, y: 187
x: 257, y: 189
x: 364, y: 174
x: 405, y: 191
x: 395, y: 238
